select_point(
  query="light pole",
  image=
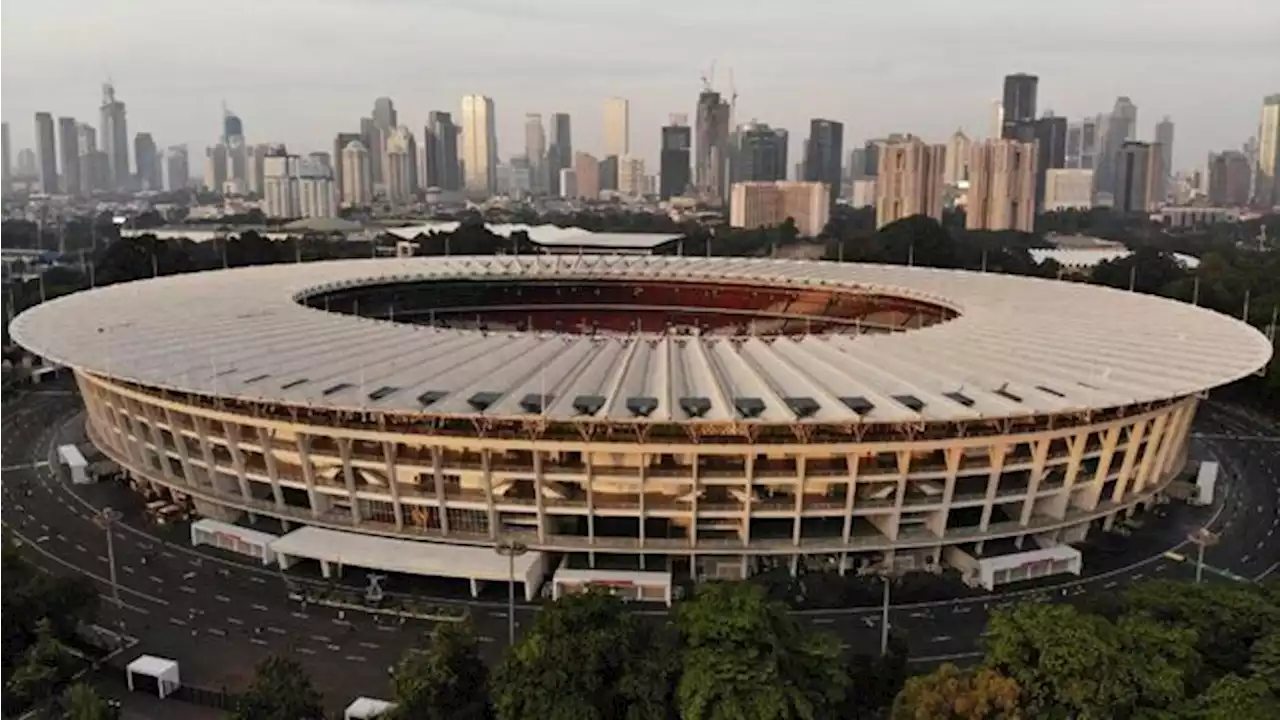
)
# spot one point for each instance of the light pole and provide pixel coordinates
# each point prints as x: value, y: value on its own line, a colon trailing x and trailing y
x: 106, y: 519
x: 511, y: 549
x: 884, y: 615
x: 1202, y: 538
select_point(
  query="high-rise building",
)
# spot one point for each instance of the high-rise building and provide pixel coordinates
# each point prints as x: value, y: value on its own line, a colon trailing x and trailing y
x: 1230, y: 179
x: 1164, y: 138
x: 382, y: 123
x: 340, y: 142
x: 769, y: 204
x: 1068, y: 189
x: 872, y: 150
x: 1050, y: 135
x: 617, y: 127
x: 1267, y: 181
x: 177, y: 168
x: 712, y: 148
x: 47, y: 153
x: 144, y: 155
x: 397, y: 166
x: 115, y: 138
x: 256, y: 178
x: 824, y: 154
x: 1137, y: 166
x: 316, y: 192
x: 609, y: 173
x: 384, y: 113
x: 231, y: 125
x: 357, y: 187
x: 238, y: 165
x: 1081, y: 151
x: 215, y: 167
x: 674, y: 168
x: 280, y: 184
x: 535, y: 150
x: 586, y: 169
x: 480, y: 145
x: 93, y: 163
x: 631, y: 177
x: 6, y: 160
x: 440, y: 149
x: 27, y: 164
x: 69, y: 154
x: 909, y: 179
x: 1019, y: 103
x: 997, y: 119
x: 559, y: 153
x: 760, y: 153
x: 858, y: 164
x: 1002, y: 186
x: 956, y: 167
x: 1119, y: 127
x: 568, y: 183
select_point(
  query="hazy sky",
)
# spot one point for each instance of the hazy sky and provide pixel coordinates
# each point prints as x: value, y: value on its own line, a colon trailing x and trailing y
x: 298, y: 71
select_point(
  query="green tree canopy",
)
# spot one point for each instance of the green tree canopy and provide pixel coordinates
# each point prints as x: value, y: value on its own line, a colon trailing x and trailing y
x: 1233, y: 698
x: 281, y: 690
x: 82, y: 702
x: 949, y: 693
x: 445, y: 681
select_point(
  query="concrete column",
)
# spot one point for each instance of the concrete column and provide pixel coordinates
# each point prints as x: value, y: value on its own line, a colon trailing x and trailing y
x: 349, y: 478
x: 309, y: 474
x: 273, y: 470
x: 232, y: 431
x: 1039, y: 455
x: 180, y: 444
x: 157, y: 441
x: 997, y: 454
x: 802, y: 470
x: 538, y: 480
x: 393, y: 483
x: 442, y: 503
x: 486, y: 464
x: 1105, y: 459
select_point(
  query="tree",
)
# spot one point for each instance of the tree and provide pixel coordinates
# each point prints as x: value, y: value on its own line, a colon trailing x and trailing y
x: 1233, y: 698
x: 446, y: 681
x: 875, y: 680
x: 82, y: 702
x: 43, y: 665
x: 586, y: 658
x: 949, y: 693
x: 281, y: 690
x: 745, y: 657
x: 1265, y: 663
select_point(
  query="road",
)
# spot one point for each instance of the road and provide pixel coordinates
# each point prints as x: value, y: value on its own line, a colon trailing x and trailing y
x: 218, y: 614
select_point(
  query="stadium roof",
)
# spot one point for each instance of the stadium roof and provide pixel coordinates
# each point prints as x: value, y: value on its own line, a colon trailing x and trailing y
x: 1020, y: 346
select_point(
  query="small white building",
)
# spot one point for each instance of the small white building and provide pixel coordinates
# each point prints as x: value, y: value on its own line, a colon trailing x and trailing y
x: 153, y: 674
x: 71, y: 456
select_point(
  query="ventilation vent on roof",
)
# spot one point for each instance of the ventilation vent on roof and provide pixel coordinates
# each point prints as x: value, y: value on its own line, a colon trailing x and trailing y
x: 1051, y: 391
x: 382, y: 392
x: 588, y: 404
x: 482, y: 400
x: 431, y: 397
x: 335, y: 388
x: 256, y: 378
x: 293, y: 383
x: 223, y: 373
x: 749, y: 407
x: 535, y: 403
x: 1003, y: 391
x: 695, y: 406
x: 858, y: 404
x: 910, y: 401
x: 959, y: 397
x: 642, y: 406
x: 803, y: 407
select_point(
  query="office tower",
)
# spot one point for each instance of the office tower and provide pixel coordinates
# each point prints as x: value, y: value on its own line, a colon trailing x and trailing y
x: 69, y: 154
x: 871, y: 154
x: 340, y: 142
x: 1120, y: 126
x: 1137, y: 167
x: 215, y: 167
x: 1068, y: 189
x: 858, y: 164
x: 535, y: 151
x: 316, y: 192
x: 823, y: 154
x: 397, y: 166
x: 711, y: 147
x: 559, y: 152
x: 238, y: 164
x: 27, y: 164
x: 522, y: 176
x: 1019, y: 104
x: 1267, y: 175
x: 93, y: 163
x: 383, y: 123
x: 1230, y: 179
x: 232, y: 126
x: 617, y: 127
x: 115, y: 139
x: 1081, y: 151
x: 1164, y: 138
x: 177, y: 168
x: 357, y: 184
x: 567, y: 181
x: 769, y: 204
x: 804, y: 153
x: 480, y: 145
x: 863, y: 192
x: 631, y: 178
x: 47, y: 153
x: 144, y: 155
x: 673, y: 162
x: 371, y: 138
x: 440, y: 149
x: 280, y: 184
x: 586, y: 169
x: 6, y: 159
x: 909, y: 179
x: 956, y: 166
x: 759, y: 153
x: 1002, y: 186
x: 256, y: 157
x: 609, y: 173
x: 384, y: 113
x: 1050, y: 136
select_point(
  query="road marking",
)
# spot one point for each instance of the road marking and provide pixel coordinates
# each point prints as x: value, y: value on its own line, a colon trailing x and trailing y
x: 334, y: 648
x: 1110, y: 585
x: 166, y: 553
x: 256, y: 579
x: 1244, y: 559
x: 257, y: 641
x: 235, y: 621
x: 486, y: 639
x: 79, y: 547
x: 155, y: 579
x: 919, y: 614
x: 216, y: 631
x: 336, y: 621
x: 28, y: 466
x: 498, y: 614
x: 86, y: 573
x: 941, y: 638
x: 1137, y: 576
x: 102, y: 558
x: 322, y: 638
x: 60, y: 536
x: 1259, y: 544
x: 386, y: 628
x: 176, y: 621
x: 260, y: 607
x: 300, y: 615
x: 961, y: 610
x: 371, y: 646
x: 127, y: 569
x: 188, y: 575
x: 222, y: 598
x: 823, y: 621
x: 276, y: 630
x: 306, y: 651
x: 187, y: 589
x: 357, y: 658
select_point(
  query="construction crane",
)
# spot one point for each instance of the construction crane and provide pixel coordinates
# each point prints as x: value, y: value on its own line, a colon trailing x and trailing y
x: 709, y: 79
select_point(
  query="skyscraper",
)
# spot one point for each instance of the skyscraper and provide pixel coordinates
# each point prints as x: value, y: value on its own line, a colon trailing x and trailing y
x: 397, y: 166
x: 480, y: 145
x: 280, y: 184
x: 1230, y: 178
x: 609, y: 173
x: 382, y: 124
x: 535, y: 150
x: 956, y: 166
x: 617, y: 127
x: 823, y: 155
x: 1019, y: 103
x: 1081, y: 152
x: 711, y: 147
x: 559, y: 152
x: 316, y: 194
x: 586, y: 168
x: 1051, y: 151
x: 115, y: 138
x: 769, y: 204
x: 1267, y: 182
x: 1164, y: 138
x: 340, y: 142
x: 631, y: 179
x: 384, y: 113
x: 440, y: 147
x: 231, y: 125
x: 215, y: 167
x: 144, y: 155
x: 46, y: 153
x: 93, y: 163
x: 257, y: 158
x: 1002, y: 186
x: 357, y: 188
x: 674, y: 169
x: 69, y: 154
x: 760, y: 153
x: 1137, y: 166
x: 177, y: 169
x: 909, y: 179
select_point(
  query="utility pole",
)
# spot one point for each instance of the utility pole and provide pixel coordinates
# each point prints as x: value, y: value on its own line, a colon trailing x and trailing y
x: 107, y: 519
x: 511, y: 549
x: 1202, y: 538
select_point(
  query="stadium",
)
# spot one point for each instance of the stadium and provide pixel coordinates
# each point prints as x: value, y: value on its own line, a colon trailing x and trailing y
x: 701, y: 416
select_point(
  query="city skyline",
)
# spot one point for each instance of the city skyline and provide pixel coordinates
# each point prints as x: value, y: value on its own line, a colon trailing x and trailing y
x: 896, y: 81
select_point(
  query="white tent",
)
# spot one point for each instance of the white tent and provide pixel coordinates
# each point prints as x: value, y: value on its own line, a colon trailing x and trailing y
x: 164, y: 671
x: 366, y: 708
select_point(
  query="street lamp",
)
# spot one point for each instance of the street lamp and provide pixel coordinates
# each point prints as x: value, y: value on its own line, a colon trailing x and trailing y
x: 887, y: 578
x: 1202, y: 538
x: 106, y: 519
x: 511, y: 549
